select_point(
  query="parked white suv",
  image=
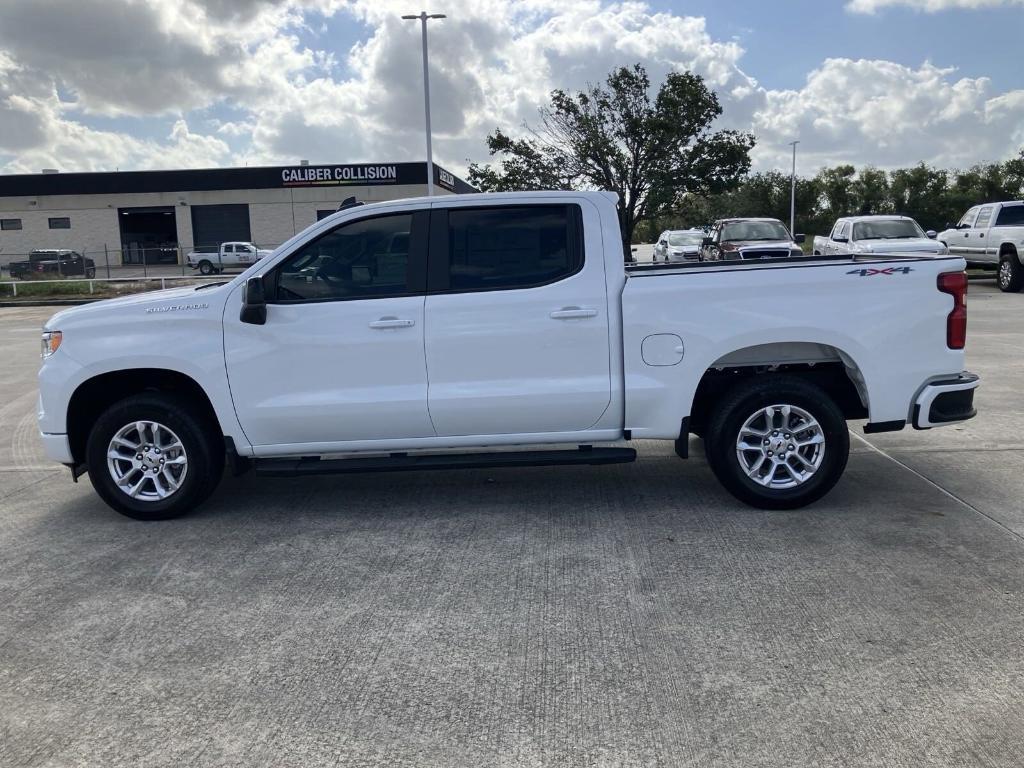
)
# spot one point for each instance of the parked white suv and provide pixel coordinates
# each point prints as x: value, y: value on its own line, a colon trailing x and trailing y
x: 991, y: 235
x: 878, y: 234
x: 411, y: 334
x: 676, y: 245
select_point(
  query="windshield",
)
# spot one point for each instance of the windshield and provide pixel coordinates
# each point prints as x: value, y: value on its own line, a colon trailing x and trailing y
x: 754, y: 230
x: 685, y: 238
x: 886, y: 229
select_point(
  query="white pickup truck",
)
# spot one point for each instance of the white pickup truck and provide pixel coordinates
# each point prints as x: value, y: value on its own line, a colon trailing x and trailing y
x: 227, y: 256
x: 991, y: 235
x: 878, y: 234
x: 508, y: 321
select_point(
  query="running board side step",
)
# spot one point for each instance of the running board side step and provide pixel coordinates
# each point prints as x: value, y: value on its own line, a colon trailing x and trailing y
x: 398, y: 462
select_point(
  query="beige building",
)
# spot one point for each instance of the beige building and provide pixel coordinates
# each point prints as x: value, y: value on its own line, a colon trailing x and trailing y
x: 124, y: 217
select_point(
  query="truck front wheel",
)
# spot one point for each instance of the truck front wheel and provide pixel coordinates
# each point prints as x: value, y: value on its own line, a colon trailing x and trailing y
x: 778, y: 442
x: 150, y: 457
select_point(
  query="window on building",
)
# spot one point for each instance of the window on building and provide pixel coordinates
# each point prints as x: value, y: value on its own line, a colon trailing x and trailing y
x: 10, y: 224
x: 60, y: 222
x: 512, y: 247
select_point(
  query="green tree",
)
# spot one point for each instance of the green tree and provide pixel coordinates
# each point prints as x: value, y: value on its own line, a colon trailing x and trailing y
x: 923, y: 193
x: 836, y: 188
x: 653, y: 153
x: 871, y: 194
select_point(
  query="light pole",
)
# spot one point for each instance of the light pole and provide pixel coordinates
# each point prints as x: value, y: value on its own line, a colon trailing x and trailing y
x: 792, y: 191
x: 426, y: 93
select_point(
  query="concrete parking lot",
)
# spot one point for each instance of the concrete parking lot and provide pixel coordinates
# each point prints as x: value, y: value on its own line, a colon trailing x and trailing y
x: 624, y: 615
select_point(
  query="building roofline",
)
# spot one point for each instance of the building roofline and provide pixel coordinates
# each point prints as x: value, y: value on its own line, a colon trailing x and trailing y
x: 225, y: 179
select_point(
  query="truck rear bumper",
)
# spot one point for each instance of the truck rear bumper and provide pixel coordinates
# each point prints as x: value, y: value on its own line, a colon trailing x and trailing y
x: 946, y: 401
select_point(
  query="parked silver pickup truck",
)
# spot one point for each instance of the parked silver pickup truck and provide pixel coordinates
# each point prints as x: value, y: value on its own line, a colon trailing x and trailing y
x: 991, y: 235
x: 233, y: 255
x: 878, y: 234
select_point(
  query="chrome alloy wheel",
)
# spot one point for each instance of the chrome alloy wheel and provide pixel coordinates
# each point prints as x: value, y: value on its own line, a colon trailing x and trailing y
x: 147, y: 461
x: 780, y: 446
x: 1005, y: 274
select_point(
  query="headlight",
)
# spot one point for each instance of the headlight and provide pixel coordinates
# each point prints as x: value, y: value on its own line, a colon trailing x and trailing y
x: 51, y: 342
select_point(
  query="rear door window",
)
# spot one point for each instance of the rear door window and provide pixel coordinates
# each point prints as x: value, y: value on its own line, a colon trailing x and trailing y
x: 1011, y: 216
x: 504, y: 247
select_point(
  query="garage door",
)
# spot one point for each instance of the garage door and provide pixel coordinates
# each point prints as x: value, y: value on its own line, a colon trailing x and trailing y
x: 216, y: 224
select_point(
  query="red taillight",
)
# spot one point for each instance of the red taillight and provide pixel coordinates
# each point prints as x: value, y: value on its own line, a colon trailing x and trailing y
x: 955, y: 284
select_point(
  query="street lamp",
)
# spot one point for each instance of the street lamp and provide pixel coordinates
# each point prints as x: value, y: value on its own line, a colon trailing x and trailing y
x: 792, y: 191
x: 426, y: 92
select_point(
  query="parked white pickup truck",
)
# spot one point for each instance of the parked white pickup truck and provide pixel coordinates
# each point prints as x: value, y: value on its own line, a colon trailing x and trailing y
x: 991, y: 235
x: 877, y: 234
x: 509, y: 320
x: 228, y: 256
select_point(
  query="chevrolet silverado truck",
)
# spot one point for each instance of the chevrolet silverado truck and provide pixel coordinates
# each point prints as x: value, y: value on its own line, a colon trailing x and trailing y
x: 992, y: 237
x: 750, y: 239
x: 227, y: 256
x: 43, y: 264
x: 507, y: 329
x: 878, y: 234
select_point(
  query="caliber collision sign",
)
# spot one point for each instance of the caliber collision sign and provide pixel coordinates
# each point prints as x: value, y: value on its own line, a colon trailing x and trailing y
x: 338, y: 175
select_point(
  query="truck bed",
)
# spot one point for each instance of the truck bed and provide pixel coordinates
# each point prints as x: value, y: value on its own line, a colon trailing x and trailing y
x: 638, y: 270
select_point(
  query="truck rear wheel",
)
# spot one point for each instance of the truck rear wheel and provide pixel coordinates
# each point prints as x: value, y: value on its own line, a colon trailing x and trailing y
x: 778, y: 442
x: 150, y: 457
x: 1011, y: 274
x: 205, y: 267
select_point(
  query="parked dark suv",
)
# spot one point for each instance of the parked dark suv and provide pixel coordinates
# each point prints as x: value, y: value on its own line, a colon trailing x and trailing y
x: 53, y: 263
x: 749, y: 239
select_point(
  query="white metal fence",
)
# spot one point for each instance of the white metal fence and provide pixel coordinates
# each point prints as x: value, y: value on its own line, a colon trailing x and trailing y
x: 114, y: 263
x: 9, y: 288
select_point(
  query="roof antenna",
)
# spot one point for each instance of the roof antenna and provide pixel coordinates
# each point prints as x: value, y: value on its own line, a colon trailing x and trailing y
x: 350, y: 202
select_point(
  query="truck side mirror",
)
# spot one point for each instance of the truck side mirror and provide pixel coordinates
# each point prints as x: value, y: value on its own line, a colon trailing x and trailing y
x: 932, y: 234
x: 254, y: 302
x: 799, y: 238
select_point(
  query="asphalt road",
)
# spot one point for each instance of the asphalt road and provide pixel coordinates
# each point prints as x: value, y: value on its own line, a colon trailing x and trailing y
x: 626, y: 615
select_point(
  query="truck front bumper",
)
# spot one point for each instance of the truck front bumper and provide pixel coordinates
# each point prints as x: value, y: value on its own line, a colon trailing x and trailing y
x: 946, y: 401
x: 57, y: 448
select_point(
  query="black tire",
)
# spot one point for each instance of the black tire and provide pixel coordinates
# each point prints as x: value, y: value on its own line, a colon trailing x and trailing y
x: 205, y: 267
x: 740, y: 404
x: 90, y: 272
x: 1011, y: 273
x: 201, y: 444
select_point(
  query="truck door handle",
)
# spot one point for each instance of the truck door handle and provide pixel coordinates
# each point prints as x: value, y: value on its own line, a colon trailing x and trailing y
x: 392, y: 322
x: 568, y: 313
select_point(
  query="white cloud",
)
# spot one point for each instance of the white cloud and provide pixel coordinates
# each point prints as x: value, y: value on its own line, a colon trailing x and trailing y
x: 886, y: 114
x: 492, y: 64
x: 928, y: 6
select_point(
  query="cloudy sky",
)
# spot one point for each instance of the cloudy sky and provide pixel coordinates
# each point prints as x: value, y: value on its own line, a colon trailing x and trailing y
x: 140, y: 84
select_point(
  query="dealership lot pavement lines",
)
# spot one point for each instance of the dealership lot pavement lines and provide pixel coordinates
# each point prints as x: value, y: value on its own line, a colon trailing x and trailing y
x: 624, y: 615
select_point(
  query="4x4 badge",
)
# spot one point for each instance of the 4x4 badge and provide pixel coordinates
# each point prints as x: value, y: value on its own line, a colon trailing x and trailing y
x: 868, y: 272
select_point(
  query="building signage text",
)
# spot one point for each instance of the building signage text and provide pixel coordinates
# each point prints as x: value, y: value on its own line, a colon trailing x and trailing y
x: 305, y: 176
